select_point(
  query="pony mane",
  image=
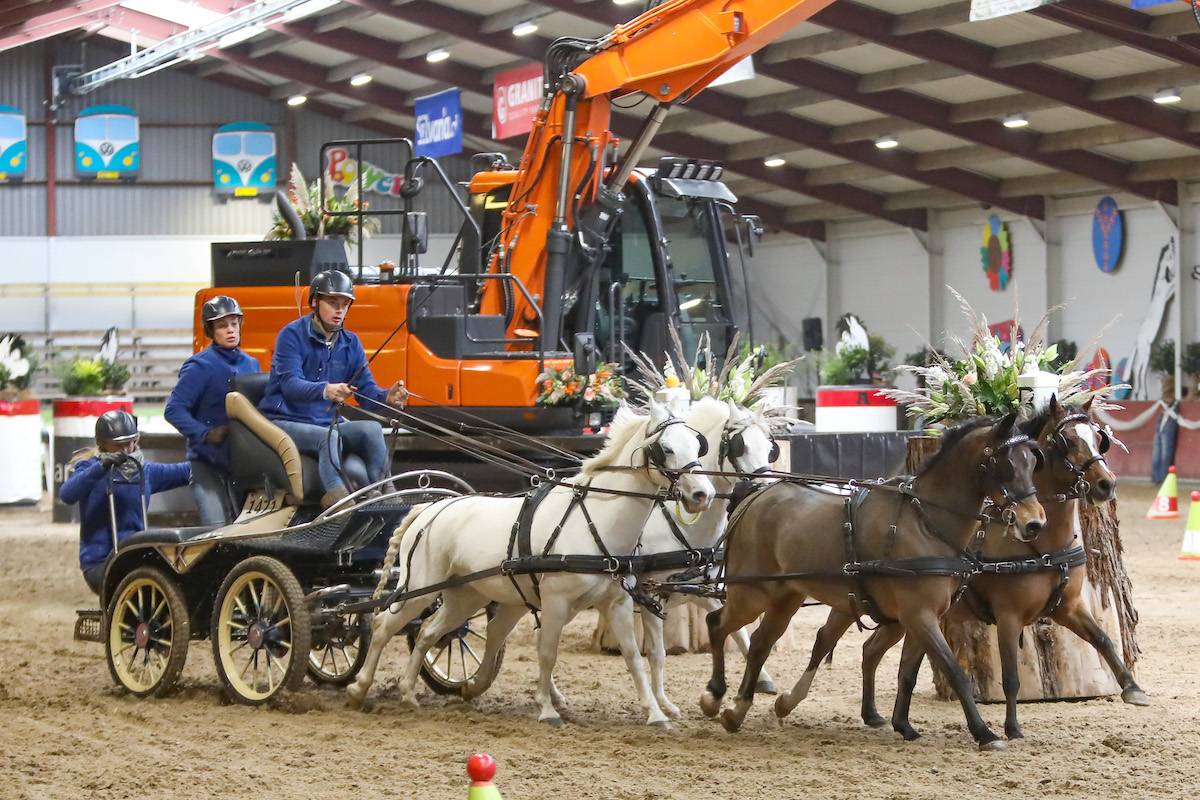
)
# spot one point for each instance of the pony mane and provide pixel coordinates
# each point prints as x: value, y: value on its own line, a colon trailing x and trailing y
x: 954, y: 437
x: 707, y: 414
x: 626, y: 424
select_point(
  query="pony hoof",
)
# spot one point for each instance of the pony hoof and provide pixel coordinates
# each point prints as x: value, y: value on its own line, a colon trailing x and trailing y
x: 1014, y: 734
x: 730, y: 722
x: 671, y: 710
x: 765, y: 686
x: 553, y: 722
x: 1135, y: 697
x: 909, y: 733
x: 355, y: 697
x: 710, y: 704
x: 782, y: 707
x: 992, y: 746
x: 874, y: 721
x: 661, y: 724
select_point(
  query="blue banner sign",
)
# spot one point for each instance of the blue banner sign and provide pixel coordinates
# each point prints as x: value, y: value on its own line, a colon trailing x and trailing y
x: 439, y: 124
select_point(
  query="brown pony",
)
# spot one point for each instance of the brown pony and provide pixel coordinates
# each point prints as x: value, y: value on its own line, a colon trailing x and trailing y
x: 1075, y: 470
x: 789, y: 543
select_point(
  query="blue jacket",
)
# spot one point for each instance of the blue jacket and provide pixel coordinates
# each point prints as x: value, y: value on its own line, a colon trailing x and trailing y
x: 305, y: 363
x: 197, y: 403
x: 88, y: 486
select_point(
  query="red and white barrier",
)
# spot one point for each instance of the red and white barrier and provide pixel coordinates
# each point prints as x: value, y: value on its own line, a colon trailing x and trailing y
x: 21, y: 467
x: 75, y: 428
x: 854, y: 409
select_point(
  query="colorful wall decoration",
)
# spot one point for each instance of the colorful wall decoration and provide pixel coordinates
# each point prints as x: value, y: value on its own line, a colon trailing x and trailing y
x: 244, y: 159
x: 996, y: 254
x: 342, y: 170
x: 107, y: 143
x: 1004, y: 331
x: 1108, y: 234
x: 13, y: 146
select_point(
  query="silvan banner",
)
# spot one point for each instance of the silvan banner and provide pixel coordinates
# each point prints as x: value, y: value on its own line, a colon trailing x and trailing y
x: 439, y: 124
x: 515, y: 97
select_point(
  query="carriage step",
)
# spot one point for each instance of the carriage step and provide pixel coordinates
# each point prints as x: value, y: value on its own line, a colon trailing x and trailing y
x: 89, y: 625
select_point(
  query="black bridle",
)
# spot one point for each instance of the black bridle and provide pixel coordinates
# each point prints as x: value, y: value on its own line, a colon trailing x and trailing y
x: 1006, y: 513
x: 656, y: 456
x: 1062, y: 447
x: 733, y: 447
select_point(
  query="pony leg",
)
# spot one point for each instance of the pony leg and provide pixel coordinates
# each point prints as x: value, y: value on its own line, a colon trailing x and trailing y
x: 458, y: 606
x: 883, y: 639
x: 925, y: 629
x: 774, y: 623
x: 1077, y: 619
x: 742, y: 639
x: 384, y: 625
x: 503, y: 620
x: 1008, y: 636
x: 656, y: 654
x: 620, y: 622
x: 555, y: 613
x: 827, y: 638
x: 739, y: 610
x: 911, y: 656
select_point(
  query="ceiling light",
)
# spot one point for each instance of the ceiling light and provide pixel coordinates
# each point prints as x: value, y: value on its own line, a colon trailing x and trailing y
x: 361, y: 79
x: 239, y: 36
x: 1016, y: 121
x: 525, y: 28
x: 297, y: 100
x: 774, y: 161
x: 887, y: 142
x: 434, y: 56
x: 1167, y: 96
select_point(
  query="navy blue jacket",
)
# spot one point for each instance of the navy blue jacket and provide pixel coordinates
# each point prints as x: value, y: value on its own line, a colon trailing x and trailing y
x: 88, y: 486
x: 305, y: 363
x: 197, y: 403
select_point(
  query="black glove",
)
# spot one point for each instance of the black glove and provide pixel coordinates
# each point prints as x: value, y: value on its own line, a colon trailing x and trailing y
x: 109, y: 459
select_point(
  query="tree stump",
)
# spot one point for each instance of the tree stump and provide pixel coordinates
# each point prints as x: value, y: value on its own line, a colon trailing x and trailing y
x: 1054, y: 663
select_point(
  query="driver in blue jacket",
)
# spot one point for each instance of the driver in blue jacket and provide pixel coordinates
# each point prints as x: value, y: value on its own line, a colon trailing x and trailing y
x: 196, y: 406
x: 317, y: 365
x: 117, y: 452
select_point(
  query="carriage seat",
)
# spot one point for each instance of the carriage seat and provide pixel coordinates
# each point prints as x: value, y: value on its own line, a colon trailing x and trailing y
x: 163, y: 536
x: 260, y: 453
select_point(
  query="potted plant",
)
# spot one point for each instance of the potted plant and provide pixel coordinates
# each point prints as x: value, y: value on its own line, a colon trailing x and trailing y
x: 765, y: 357
x: 314, y: 215
x: 1191, y: 365
x: 1162, y: 361
x: 20, y: 424
x: 858, y: 360
x: 93, y: 386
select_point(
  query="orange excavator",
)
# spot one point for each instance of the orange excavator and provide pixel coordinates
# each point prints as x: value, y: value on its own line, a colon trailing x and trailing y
x: 570, y: 254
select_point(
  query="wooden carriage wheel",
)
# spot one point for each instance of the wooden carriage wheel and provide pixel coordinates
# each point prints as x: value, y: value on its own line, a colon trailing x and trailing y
x: 148, y: 631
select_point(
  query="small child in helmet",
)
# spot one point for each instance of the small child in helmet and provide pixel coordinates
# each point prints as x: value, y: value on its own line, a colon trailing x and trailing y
x: 116, y: 451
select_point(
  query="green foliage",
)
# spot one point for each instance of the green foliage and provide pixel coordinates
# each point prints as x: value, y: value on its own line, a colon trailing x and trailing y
x: 306, y: 199
x: 879, y: 359
x: 86, y: 377
x: 1191, y: 359
x: 1067, y: 351
x: 1162, y: 357
x: 765, y: 355
x: 115, y: 375
x: 847, y: 366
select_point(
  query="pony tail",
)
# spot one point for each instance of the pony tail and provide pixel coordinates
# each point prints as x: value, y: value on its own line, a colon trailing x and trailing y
x: 393, y: 550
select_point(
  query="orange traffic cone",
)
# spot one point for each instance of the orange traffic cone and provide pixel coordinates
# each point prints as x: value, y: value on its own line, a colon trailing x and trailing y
x: 1191, y: 534
x: 1166, y: 504
x: 482, y: 768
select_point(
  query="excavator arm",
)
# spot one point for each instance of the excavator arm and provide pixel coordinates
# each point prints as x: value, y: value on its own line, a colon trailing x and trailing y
x: 566, y: 195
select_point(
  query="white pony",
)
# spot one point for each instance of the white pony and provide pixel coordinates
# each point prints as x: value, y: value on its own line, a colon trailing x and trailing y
x: 746, y: 433
x: 459, y: 536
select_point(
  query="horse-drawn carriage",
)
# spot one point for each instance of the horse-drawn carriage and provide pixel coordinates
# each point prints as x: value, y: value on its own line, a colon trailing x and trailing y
x: 264, y: 589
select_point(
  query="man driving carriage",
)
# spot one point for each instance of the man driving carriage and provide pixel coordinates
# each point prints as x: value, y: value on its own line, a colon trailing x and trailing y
x: 196, y: 406
x: 115, y: 467
x: 317, y: 366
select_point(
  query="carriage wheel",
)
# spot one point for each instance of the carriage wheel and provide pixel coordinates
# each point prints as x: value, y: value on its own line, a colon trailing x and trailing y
x: 339, y: 649
x: 260, y: 631
x: 148, y: 632
x: 457, y: 656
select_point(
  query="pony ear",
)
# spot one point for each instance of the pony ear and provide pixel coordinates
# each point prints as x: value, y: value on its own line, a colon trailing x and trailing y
x: 1087, y: 407
x: 659, y: 413
x: 1004, y: 427
x: 1054, y: 403
x: 1033, y: 428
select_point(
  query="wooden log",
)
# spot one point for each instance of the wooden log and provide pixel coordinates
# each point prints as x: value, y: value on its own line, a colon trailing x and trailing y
x: 1054, y: 663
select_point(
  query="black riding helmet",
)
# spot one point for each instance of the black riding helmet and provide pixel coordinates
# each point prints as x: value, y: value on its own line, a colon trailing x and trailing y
x: 217, y: 308
x: 331, y: 282
x: 116, y: 426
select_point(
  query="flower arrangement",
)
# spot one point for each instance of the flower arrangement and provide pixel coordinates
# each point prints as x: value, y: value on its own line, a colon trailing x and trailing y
x: 984, y: 379
x: 562, y: 387
x: 16, y: 368
x: 91, y: 377
x: 306, y: 198
x: 854, y: 363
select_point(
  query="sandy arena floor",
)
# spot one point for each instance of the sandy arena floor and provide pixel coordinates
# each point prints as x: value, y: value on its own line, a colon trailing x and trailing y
x: 65, y: 732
